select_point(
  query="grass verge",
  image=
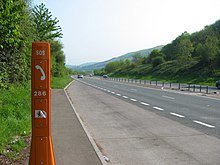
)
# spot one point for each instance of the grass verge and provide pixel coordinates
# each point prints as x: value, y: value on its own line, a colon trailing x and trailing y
x: 60, y: 82
x: 15, y: 116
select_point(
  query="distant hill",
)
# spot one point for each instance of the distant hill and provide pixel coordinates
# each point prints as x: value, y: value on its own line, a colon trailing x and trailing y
x: 100, y: 65
x: 189, y: 58
x: 80, y: 67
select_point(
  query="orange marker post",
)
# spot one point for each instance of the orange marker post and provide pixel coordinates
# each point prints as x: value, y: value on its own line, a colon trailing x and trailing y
x: 41, y: 144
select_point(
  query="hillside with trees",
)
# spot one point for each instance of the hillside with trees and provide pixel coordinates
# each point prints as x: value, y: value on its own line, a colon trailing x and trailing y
x: 193, y: 58
x: 100, y: 65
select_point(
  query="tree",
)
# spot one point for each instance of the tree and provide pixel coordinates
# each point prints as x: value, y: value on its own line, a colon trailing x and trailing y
x: 155, y: 53
x: 136, y: 58
x: 169, y: 51
x: 57, y: 59
x: 209, y: 51
x: 46, y: 27
x: 184, y: 50
x: 13, y: 60
x: 113, y: 66
x: 20, y: 25
x: 179, y: 48
x: 157, y: 61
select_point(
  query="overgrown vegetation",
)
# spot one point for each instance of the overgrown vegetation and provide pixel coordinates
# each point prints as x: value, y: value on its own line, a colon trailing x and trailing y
x: 190, y: 58
x: 15, y: 112
x: 20, y: 25
x: 15, y: 115
x: 60, y: 82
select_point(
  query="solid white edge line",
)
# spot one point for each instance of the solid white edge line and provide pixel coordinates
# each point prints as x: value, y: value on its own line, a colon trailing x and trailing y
x: 69, y: 84
x: 92, y: 141
x: 133, y: 99
x: 158, y: 108
x: 205, y: 124
x: 143, y: 103
x: 176, y: 114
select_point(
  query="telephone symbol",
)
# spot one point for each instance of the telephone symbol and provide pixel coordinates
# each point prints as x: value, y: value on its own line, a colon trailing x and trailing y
x: 43, y: 77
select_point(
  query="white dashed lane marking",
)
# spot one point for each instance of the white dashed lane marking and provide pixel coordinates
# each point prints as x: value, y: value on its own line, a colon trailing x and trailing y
x: 176, y: 114
x: 143, y: 103
x: 158, y: 108
x: 168, y: 97
x: 204, y: 124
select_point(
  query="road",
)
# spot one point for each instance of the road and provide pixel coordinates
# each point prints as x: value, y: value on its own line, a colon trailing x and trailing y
x: 134, y: 125
x: 187, y: 108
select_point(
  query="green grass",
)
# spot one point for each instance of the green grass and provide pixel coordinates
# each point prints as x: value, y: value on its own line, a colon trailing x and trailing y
x: 15, y: 149
x: 60, y: 82
x: 15, y: 114
x: 170, y: 71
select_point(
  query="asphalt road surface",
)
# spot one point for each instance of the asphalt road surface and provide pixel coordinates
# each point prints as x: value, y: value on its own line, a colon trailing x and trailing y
x: 137, y: 125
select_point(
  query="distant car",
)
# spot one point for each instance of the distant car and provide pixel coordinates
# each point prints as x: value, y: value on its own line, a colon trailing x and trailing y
x: 105, y: 76
x: 90, y: 75
x: 218, y: 84
x: 80, y: 76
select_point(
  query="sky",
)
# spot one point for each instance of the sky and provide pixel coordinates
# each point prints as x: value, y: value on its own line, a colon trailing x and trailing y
x: 98, y: 30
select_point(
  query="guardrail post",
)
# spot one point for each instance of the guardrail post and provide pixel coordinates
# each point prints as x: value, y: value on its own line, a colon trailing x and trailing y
x: 207, y: 89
